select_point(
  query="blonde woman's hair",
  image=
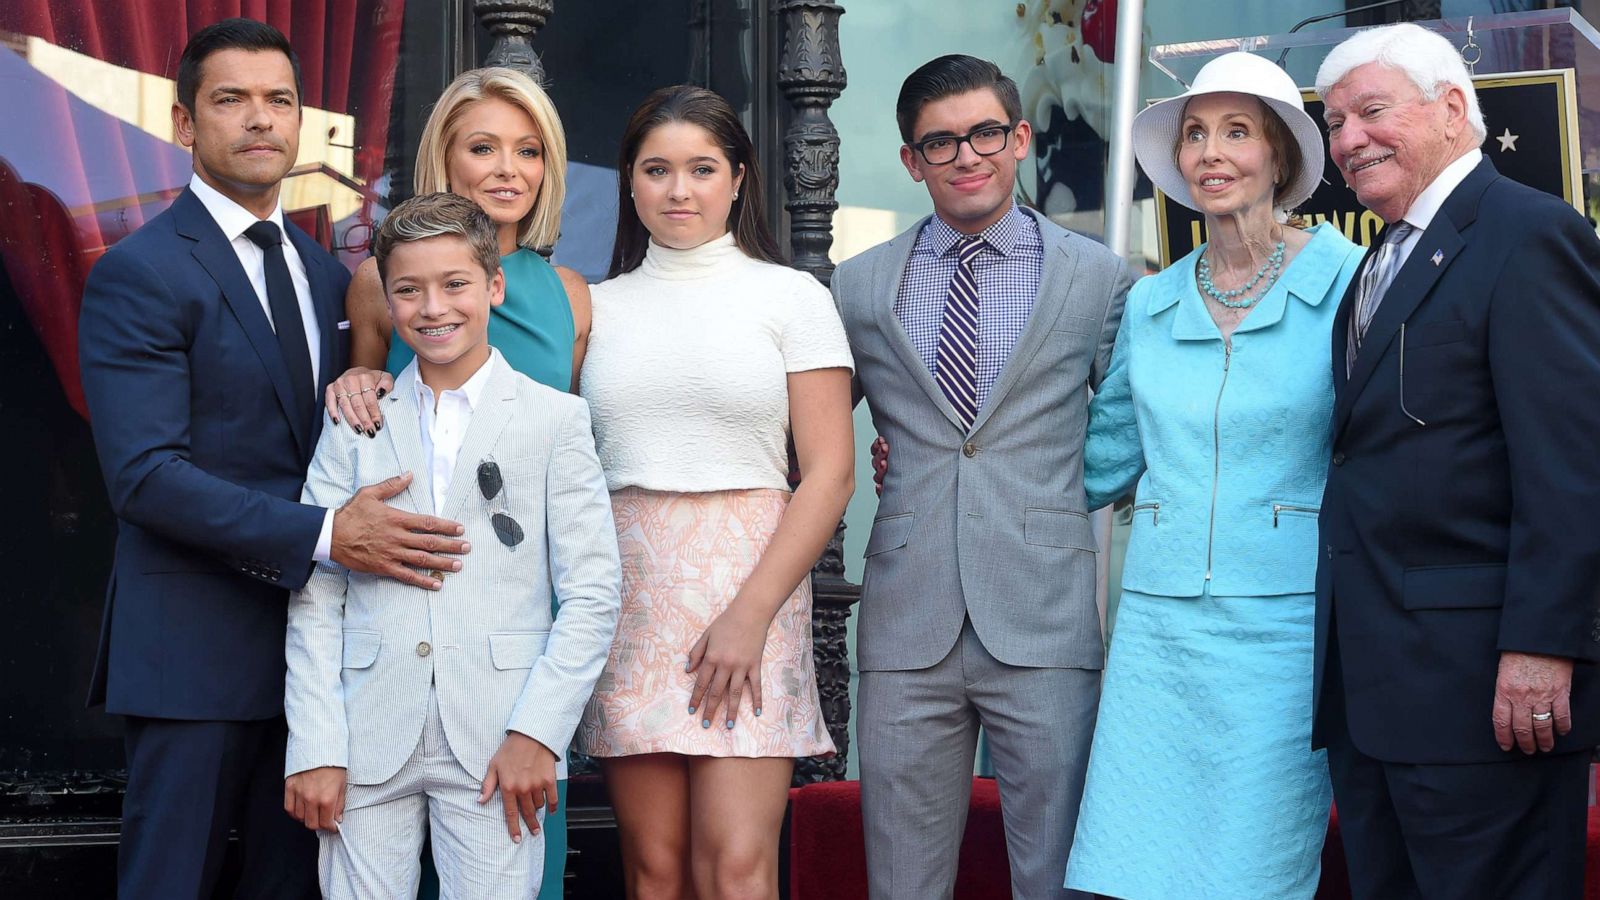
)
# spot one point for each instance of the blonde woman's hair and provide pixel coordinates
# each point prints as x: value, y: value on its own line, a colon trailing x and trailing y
x: 542, y: 225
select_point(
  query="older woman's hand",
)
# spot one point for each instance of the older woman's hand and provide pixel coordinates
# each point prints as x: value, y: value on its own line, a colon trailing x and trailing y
x: 353, y: 398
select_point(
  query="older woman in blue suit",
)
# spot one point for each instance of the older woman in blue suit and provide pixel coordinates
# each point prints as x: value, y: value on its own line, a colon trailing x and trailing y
x: 1202, y: 781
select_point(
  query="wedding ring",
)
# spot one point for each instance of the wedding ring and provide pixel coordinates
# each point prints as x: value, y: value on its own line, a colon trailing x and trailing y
x: 1543, y: 717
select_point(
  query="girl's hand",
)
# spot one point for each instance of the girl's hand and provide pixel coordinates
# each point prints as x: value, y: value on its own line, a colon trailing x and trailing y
x: 725, y: 662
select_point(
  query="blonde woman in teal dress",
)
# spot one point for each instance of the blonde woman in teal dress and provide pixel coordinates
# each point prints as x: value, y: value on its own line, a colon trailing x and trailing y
x: 493, y: 137
x: 1202, y: 782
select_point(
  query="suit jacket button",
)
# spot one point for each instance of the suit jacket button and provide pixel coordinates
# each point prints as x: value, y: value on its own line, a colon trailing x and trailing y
x: 1338, y: 459
x: 969, y: 449
x: 423, y: 649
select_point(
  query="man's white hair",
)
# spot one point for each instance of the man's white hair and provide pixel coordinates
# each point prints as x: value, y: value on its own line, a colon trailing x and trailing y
x: 1427, y: 58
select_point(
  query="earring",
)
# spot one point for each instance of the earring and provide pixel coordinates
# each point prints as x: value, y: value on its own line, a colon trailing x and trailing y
x: 735, y: 195
x: 630, y: 195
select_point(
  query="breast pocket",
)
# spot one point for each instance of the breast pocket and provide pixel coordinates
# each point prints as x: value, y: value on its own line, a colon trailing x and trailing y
x: 1438, y: 363
x: 1068, y: 352
x: 515, y: 518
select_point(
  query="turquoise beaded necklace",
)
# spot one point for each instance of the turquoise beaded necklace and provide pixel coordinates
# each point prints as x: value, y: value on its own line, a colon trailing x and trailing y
x: 1239, y: 299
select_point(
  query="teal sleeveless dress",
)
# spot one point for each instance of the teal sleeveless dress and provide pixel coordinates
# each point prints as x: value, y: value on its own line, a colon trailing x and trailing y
x: 534, y: 331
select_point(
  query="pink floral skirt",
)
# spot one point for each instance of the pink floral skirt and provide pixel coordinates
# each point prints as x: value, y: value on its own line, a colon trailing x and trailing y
x: 684, y: 557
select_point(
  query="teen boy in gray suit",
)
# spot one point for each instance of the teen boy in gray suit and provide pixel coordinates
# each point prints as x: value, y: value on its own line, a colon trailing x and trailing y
x: 407, y: 706
x: 977, y: 334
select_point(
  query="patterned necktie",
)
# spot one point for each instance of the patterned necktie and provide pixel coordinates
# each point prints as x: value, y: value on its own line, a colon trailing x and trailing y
x: 1374, y: 281
x: 956, y: 367
x: 285, y: 307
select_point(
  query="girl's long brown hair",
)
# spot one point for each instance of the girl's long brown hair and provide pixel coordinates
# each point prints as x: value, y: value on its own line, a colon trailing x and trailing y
x: 747, y: 219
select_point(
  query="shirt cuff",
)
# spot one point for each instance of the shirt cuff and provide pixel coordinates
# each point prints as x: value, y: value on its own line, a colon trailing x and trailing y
x: 324, y: 551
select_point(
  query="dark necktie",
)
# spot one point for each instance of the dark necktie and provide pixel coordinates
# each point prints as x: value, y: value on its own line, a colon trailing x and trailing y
x: 957, y: 363
x: 285, y: 308
x: 1374, y: 281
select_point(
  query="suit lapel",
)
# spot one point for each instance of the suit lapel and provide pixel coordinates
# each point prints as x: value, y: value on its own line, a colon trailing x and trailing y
x: 1341, y: 330
x: 1060, y: 262
x: 217, y: 257
x: 322, y: 300
x: 401, y: 423
x: 1437, y: 249
x: 489, y: 419
x: 886, y: 278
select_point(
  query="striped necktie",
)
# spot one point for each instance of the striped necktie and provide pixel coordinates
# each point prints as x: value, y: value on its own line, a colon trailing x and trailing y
x: 956, y: 367
x: 1374, y: 281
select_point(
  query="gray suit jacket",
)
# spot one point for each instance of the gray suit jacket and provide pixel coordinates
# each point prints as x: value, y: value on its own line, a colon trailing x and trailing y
x: 989, y: 523
x: 363, y: 650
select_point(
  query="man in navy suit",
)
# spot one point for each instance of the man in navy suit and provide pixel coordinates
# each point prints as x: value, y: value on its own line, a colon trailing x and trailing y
x: 1456, y: 598
x: 204, y: 342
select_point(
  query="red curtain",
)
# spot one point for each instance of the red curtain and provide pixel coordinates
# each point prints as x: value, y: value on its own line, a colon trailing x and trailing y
x: 77, y: 180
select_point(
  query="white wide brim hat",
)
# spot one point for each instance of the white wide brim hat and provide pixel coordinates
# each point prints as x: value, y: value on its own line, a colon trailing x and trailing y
x: 1155, y: 128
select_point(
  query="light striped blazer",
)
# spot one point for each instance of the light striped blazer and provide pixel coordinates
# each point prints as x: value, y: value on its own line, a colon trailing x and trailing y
x: 362, y: 650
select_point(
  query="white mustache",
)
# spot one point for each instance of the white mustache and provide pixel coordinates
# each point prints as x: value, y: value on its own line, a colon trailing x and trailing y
x: 1355, y: 162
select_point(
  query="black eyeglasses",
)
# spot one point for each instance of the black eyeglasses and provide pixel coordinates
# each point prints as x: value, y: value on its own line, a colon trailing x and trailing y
x: 985, y: 141
x: 490, y: 484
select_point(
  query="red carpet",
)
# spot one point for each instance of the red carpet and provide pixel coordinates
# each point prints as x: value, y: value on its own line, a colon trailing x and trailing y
x: 828, y: 857
x: 827, y: 850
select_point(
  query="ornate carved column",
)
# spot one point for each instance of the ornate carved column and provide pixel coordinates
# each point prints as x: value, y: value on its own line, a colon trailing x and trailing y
x: 513, y: 24
x: 811, y: 76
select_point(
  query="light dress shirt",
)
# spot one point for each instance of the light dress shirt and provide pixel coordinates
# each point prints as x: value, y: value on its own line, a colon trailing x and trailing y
x: 1007, y: 271
x: 444, y: 424
x: 234, y: 219
x: 1427, y: 204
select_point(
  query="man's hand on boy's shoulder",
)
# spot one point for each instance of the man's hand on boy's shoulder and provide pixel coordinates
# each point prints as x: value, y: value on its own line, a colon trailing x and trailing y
x: 524, y: 771
x: 315, y: 797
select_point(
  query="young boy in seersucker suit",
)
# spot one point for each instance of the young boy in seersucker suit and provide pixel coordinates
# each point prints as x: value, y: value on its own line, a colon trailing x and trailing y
x: 451, y: 708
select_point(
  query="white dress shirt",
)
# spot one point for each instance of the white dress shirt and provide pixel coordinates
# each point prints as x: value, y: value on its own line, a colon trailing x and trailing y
x: 234, y: 219
x: 443, y: 425
x: 1427, y: 204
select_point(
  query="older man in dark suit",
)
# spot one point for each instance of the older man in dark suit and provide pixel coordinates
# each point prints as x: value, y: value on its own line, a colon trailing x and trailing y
x: 205, y: 340
x: 1456, y: 597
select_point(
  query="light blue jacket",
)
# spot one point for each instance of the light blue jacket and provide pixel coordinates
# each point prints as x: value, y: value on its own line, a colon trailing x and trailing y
x: 1228, y: 444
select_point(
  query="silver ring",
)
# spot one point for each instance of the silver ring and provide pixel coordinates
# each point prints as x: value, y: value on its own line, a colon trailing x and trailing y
x: 1543, y: 717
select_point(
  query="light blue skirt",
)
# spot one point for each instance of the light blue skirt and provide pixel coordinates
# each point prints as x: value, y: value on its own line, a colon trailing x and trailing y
x: 1202, y: 782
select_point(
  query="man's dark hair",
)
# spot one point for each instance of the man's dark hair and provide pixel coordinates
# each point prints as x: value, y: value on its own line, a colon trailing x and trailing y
x: 946, y: 77
x: 230, y: 34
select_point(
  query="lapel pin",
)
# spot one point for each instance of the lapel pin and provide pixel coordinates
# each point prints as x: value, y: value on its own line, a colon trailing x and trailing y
x: 1438, y: 257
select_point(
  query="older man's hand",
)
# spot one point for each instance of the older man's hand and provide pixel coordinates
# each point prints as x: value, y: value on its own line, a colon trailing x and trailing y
x: 1532, y: 701
x: 371, y: 536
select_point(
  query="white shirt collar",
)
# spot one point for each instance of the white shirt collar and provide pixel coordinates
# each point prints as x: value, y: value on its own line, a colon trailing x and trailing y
x: 1427, y: 204
x: 471, y: 390
x: 232, y: 218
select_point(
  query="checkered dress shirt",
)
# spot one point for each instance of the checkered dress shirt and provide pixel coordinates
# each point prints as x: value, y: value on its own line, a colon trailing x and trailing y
x: 1007, y: 272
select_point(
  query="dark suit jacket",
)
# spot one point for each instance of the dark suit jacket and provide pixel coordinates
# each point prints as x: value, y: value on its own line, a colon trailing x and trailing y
x: 1458, y: 520
x: 204, y: 458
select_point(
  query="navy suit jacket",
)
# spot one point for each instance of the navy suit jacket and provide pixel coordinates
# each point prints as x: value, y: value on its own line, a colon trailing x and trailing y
x: 204, y: 458
x: 1458, y: 520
